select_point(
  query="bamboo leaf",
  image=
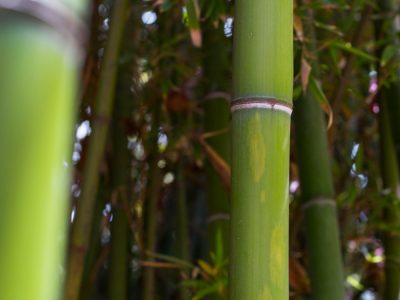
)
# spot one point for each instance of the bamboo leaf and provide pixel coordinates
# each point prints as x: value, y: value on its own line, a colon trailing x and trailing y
x: 171, y: 259
x: 387, y: 54
x: 218, y: 163
x: 298, y: 28
x: 207, y: 268
x: 349, y: 48
x: 305, y: 73
x: 319, y: 95
x: 193, y: 15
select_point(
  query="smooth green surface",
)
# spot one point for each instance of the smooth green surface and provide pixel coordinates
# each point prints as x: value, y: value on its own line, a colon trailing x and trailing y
x: 321, y: 227
x: 37, y: 91
x: 259, y: 213
x: 263, y: 48
x: 263, y: 66
x: 322, y: 233
x: 390, y: 176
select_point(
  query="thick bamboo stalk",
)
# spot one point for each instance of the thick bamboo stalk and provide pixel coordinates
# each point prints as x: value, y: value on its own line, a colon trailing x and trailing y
x: 390, y: 176
x: 216, y: 66
x: 263, y: 61
x: 320, y: 215
x: 80, y: 233
x: 38, y: 76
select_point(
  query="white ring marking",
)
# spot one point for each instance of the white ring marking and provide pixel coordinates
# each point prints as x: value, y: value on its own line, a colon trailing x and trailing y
x: 262, y: 105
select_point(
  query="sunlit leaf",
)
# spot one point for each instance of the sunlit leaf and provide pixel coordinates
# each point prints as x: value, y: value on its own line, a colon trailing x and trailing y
x: 388, y: 53
x: 349, y: 48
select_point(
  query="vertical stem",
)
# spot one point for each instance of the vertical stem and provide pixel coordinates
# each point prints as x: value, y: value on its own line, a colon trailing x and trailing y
x: 153, y: 195
x: 118, y: 274
x: 263, y: 58
x: 320, y: 216
x: 183, y: 232
x: 386, y: 29
x: 390, y: 176
x: 216, y: 67
x: 80, y: 233
x: 38, y: 75
x: 120, y: 175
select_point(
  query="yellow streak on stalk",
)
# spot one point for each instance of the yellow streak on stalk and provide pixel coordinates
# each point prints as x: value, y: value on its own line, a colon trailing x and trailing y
x: 263, y: 196
x: 265, y: 294
x: 277, y: 258
x: 257, y: 148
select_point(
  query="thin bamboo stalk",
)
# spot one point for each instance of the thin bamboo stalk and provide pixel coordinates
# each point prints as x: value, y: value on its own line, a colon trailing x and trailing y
x: 391, y: 182
x: 216, y: 66
x: 182, y: 224
x: 263, y: 61
x: 120, y: 175
x: 80, y: 233
x: 386, y: 29
x: 38, y: 75
x: 152, y: 198
x: 320, y: 215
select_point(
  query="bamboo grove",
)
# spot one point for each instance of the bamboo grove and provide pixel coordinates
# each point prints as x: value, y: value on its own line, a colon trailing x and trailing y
x: 200, y: 149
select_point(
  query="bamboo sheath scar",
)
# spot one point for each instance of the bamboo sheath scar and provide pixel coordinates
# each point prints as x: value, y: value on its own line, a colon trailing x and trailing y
x: 261, y: 109
x: 54, y: 14
x: 262, y: 103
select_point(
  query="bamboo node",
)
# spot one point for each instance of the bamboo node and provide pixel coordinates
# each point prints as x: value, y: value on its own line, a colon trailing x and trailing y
x: 319, y: 202
x: 52, y: 13
x: 262, y: 102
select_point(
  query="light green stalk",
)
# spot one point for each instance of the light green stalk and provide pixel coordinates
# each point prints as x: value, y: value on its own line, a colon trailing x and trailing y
x: 320, y: 216
x: 263, y: 61
x: 38, y: 87
x: 80, y: 233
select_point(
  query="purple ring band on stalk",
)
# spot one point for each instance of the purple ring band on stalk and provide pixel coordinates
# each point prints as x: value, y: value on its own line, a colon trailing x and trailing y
x: 52, y: 13
x: 319, y: 202
x: 261, y: 102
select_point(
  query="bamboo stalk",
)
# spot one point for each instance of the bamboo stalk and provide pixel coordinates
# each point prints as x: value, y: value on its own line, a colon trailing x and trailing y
x: 182, y: 229
x: 120, y: 175
x: 216, y: 66
x: 390, y: 176
x: 260, y: 149
x: 385, y: 30
x: 320, y: 215
x: 80, y: 233
x: 38, y: 75
x: 152, y: 197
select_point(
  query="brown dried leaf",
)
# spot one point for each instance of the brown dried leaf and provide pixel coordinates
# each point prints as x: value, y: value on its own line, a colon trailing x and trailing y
x: 305, y: 73
x: 218, y: 163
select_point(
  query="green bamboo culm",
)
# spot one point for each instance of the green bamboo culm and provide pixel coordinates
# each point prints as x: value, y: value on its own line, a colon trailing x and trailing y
x: 386, y: 29
x: 390, y: 176
x: 40, y: 63
x: 216, y: 66
x: 263, y: 59
x: 80, y: 233
x: 120, y: 179
x: 320, y: 215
